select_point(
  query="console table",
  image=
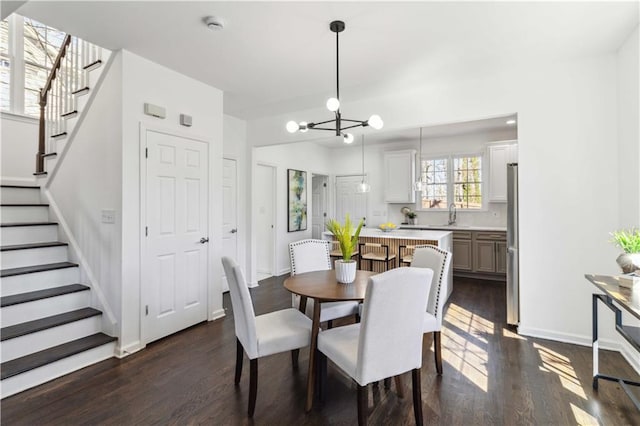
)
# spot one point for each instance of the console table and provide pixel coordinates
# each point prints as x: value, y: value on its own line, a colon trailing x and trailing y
x: 629, y: 300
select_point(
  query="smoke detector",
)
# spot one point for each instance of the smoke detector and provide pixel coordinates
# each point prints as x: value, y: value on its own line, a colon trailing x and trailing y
x: 214, y: 23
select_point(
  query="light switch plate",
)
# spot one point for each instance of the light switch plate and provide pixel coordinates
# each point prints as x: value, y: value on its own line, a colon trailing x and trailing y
x: 108, y: 216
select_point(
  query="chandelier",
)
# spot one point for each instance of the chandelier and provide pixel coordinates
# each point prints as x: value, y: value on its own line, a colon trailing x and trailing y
x: 340, y: 124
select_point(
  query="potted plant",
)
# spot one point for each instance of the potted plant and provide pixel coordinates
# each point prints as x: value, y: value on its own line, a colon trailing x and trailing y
x: 412, y: 218
x: 348, y: 240
x: 629, y: 242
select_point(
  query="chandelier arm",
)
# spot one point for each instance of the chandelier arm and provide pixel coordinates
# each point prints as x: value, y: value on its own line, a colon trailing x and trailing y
x: 355, y: 121
x: 322, y: 122
x: 322, y: 128
x: 351, y: 127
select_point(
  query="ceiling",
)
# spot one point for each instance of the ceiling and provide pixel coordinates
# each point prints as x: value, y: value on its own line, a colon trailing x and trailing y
x: 274, y: 57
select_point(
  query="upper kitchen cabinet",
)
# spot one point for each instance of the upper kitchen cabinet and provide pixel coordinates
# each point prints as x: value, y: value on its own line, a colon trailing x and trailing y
x: 499, y: 156
x: 399, y: 174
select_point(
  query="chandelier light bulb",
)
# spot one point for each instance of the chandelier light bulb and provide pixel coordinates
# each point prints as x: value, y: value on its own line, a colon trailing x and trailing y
x: 333, y: 104
x: 375, y: 122
x: 292, y: 127
x: 303, y: 127
x: 348, y: 138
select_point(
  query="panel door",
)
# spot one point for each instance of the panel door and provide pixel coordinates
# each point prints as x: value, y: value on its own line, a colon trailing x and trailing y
x: 484, y: 256
x: 348, y: 200
x: 501, y: 257
x: 264, y: 220
x: 175, y: 288
x: 462, y: 259
x: 229, y: 214
x: 318, y: 205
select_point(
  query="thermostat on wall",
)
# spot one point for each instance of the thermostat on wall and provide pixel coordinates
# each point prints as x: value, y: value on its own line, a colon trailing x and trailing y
x: 155, y: 110
x: 185, y: 120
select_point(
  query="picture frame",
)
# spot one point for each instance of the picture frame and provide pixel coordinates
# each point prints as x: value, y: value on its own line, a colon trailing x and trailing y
x: 296, y: 200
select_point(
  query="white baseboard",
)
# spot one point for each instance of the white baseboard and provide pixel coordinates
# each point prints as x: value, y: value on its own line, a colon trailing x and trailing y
x: 217, y: 314
x: 124, y: 351
x: 619, y: 346
x: 284, y: 271
x: 253, y: 284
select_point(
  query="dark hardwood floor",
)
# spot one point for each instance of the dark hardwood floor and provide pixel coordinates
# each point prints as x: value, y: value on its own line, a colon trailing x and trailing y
x: 491, y: 376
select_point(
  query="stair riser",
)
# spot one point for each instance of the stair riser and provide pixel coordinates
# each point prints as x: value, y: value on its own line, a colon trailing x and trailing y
x: 34, y: 342
x: 19, y: 195
x: 28, y: 234
x: 12, y: 214
x: 35, y: 256
x: 39, y: 281
x: 43, y: 374
x: 30, y: 311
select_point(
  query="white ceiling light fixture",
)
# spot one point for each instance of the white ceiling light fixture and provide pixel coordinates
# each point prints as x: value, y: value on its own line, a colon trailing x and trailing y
x: 333, y: 105
x: 214, y: 23
x: 419, y: 185
x: 363, y: 186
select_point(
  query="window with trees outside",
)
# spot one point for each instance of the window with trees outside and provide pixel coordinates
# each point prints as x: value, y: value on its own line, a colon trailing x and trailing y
x: 456, y: 179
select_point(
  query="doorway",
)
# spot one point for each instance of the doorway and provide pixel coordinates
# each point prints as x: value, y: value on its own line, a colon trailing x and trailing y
x: 265, y: 202
x: 349, y: 200
x: 319, y: 198
x: 229, y: 213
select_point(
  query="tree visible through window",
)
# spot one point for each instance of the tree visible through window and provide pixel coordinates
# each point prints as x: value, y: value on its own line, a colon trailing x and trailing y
x: 5, y: 63
x: 452, y: 179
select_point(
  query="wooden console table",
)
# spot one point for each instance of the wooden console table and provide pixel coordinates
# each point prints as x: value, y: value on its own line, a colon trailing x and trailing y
x: 629, y: 300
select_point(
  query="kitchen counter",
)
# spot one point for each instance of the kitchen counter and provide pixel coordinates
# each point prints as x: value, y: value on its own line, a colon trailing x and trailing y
x: 455, y: 227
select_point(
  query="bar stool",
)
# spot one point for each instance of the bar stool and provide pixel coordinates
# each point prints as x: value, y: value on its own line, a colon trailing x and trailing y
x: 376, y: 253
x: 405, y: 253
x: 336, y: 253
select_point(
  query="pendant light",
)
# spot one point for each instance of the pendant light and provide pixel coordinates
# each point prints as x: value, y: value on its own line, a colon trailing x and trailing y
x: 419, y: 185
x: 338, y: 124
x: 363, y: 187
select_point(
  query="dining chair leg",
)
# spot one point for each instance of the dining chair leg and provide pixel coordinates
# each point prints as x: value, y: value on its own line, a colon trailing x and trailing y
x: 253, y: 385
x: 362, y: 405
x: 417, y: 395
x: 329, y: 324
x: 239, y: 355
x: 322, y: 375
x: 437, y: 349
x: 294, y: 358
x: 399, y: 386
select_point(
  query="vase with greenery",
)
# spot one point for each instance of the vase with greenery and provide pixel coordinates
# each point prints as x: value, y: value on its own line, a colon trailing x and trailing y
x: 629, y: 241
x: 348, y: 241
x: 412, y: 218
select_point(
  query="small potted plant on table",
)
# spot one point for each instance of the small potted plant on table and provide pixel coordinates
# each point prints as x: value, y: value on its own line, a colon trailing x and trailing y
x: 348, y: 240
x: 629, y: 242
x: 412, y: 218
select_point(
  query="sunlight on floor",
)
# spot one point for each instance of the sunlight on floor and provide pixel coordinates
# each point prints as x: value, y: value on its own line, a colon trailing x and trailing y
x: 468, y: 321
x: 553, y: 362
x: 582, y: 417
x: 508, y: 333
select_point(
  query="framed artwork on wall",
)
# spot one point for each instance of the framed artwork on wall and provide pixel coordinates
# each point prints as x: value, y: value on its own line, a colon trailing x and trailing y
x: 297, y: 200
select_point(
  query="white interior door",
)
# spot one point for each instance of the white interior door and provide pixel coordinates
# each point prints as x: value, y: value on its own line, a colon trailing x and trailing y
x: 229, y: 214
x: 175, y: 270
x: 318, y: 205
x: 265, y: 220
x: 348, y: 200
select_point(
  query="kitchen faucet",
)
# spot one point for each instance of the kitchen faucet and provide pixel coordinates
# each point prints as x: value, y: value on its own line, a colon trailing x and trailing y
x: 452, y: 214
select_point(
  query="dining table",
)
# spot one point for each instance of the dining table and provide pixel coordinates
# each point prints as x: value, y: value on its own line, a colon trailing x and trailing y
x: 322, y: 286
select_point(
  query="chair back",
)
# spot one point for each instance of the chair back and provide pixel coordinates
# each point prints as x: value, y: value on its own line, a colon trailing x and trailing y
x: 390, y: 341
x: 309, y: 255
x: 244, y: 316
x: 432, y: 257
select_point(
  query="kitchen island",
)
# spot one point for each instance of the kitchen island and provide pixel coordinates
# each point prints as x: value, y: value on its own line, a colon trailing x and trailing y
x: 407, y: 237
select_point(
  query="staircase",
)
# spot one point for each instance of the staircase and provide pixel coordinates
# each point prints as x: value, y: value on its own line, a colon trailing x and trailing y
x: 48, y: 328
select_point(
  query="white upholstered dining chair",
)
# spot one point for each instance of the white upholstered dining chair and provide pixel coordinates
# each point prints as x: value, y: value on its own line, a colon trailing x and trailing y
x: 313, y: 255
x: 432, y: 257
x: 262, y: 335
x: 388, y: 340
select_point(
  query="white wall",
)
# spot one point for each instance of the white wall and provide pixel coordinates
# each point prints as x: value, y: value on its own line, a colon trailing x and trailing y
x: 19, y: 136
x: 566, y: 127
x: 145, y: 81
x: 235, y: 147
x: 309, y: 157
x: 629, y: 134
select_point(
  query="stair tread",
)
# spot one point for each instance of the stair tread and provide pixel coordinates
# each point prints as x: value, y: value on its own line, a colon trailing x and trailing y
x: 36, y: 268
x: 53, y: 354
x: 20, y: 186
x: 32, y: 246
x: 24, y: 205
x: 12, y: 224
x: 31, y: 296
x: 29, y: 327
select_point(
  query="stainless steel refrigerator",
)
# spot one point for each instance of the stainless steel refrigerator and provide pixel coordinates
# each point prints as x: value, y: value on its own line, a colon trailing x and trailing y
x: 513, y: 282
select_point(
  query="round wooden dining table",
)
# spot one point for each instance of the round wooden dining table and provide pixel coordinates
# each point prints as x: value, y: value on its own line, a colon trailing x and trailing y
x: 322, y: 286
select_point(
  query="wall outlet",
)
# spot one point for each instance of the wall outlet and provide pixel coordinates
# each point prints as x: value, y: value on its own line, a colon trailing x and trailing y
x: 108, y: 216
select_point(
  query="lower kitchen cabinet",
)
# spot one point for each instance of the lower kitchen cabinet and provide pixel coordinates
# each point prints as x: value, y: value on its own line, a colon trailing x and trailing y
x: 501, y: 257
x: 484, y: 256
x: 462, y: 255
x: 481, y: 254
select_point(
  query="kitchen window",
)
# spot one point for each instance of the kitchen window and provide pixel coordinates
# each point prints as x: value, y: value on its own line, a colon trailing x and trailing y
x: 456, y: 179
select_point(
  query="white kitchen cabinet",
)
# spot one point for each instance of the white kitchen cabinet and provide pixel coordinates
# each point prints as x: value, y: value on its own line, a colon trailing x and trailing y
x: 499, y: 157
x: 399, y: 174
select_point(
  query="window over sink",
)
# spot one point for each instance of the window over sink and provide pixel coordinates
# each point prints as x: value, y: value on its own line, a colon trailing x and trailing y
x: 452, y: 179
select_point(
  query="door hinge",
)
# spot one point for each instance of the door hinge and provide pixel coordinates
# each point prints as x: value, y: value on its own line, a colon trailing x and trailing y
x: 324, y: 184
x: 324, y: 214
x: 146, y: 231
x: 146, y: 309
x: 146, y: 153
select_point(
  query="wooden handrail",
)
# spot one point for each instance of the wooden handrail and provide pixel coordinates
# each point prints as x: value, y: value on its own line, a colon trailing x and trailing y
x: 43, y: 102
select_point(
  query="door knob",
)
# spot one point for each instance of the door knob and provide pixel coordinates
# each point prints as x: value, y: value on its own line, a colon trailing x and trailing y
x: 204, y: 240
x: 233, y: 231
